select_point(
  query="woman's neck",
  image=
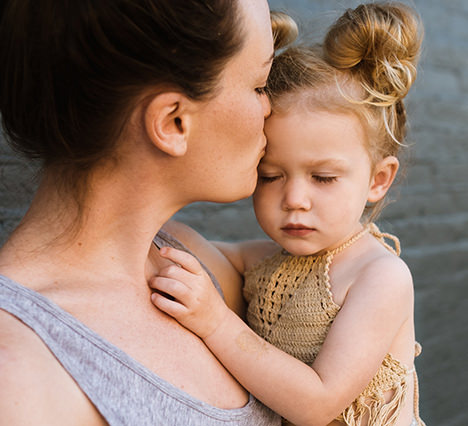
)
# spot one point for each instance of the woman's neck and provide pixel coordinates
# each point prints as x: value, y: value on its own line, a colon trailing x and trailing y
x: 120, y: 217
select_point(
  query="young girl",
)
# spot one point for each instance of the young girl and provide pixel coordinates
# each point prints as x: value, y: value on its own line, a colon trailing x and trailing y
x: 331, y: 299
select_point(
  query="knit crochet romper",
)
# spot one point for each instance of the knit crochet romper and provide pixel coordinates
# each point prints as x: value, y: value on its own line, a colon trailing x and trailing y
x: 290, y: 305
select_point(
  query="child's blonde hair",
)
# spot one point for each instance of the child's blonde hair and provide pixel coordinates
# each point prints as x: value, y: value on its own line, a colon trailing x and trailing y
x: 365, y: 66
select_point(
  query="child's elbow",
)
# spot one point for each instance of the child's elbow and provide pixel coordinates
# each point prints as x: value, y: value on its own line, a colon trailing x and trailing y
x: 316, y: 414
x: 315, y: 419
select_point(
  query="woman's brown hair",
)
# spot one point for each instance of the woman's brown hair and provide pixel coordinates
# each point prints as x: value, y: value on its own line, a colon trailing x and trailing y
x: 72, y: 71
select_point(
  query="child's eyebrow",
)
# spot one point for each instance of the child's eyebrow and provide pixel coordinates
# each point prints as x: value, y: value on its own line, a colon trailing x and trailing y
x: 335, y: 163
x: 332, y: 163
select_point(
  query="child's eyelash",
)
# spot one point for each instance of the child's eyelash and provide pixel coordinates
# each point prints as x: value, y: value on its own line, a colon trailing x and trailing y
x: 267, y: 179
x: 324, y: 179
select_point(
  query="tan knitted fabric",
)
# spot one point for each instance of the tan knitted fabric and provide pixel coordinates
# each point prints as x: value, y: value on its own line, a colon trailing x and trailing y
x: 290, y: 305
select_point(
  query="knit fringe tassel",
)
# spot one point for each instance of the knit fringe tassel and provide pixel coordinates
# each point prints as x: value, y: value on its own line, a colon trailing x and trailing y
x: 416, y: 392
x: 380, y: 413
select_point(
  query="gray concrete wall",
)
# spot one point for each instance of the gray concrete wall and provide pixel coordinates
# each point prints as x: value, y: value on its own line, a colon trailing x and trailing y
x: 430, y: 215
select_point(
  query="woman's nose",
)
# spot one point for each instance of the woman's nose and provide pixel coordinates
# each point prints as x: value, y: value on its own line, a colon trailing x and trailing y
x: 266, y: 106
x: 296, y: 197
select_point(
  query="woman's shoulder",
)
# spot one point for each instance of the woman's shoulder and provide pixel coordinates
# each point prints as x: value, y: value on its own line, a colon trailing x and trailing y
x: 19, y: 352
x: 227, y: 276
x: 33, y: 381
x: 197, y: 244
x: 182, y: 232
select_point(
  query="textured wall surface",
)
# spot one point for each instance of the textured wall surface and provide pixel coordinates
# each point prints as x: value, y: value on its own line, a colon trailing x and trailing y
x: 430, y: 215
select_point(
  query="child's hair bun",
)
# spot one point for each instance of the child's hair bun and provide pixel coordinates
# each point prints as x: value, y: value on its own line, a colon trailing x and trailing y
x: 284, y: 28
x: 380, y: 44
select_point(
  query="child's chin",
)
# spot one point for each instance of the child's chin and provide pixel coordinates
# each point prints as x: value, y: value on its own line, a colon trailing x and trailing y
x: 297, y: 250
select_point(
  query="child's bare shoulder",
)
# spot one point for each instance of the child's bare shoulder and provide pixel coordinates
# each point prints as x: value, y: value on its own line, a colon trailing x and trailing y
x: 245, y: 254
x: 257, y: 250
x: 384, y: 277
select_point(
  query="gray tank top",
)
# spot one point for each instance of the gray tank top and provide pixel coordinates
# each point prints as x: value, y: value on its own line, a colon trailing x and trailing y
x: 123, y: 391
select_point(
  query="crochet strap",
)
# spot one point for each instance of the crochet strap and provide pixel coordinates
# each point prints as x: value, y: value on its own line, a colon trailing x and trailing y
x: 417, y: 349
x: 375, y: 231
x: 349, y: 242
x: 416, y: 400
x: 417, y: 352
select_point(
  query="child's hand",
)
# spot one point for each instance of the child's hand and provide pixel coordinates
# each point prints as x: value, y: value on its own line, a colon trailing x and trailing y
x: 194, y: 300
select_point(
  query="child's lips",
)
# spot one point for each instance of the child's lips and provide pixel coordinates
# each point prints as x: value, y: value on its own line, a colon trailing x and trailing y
x: 297, y: 229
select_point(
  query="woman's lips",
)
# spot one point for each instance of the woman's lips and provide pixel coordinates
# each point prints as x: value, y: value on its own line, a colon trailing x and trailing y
x: 297, y: 229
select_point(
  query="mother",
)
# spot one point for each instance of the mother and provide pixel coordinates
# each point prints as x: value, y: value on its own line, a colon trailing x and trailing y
x: 136, y: 108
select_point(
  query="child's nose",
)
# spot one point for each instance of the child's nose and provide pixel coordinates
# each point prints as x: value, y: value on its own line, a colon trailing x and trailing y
x: 296, y: 197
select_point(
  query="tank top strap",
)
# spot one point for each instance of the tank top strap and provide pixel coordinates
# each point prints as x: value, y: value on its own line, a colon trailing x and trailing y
x: 123, y: 390
x: 162, y: 239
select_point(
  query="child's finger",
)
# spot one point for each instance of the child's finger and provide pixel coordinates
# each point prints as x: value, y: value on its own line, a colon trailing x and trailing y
x: 176, y: 272
x: 182, y: 258
x: 170, y: 307
x: 173, y: 288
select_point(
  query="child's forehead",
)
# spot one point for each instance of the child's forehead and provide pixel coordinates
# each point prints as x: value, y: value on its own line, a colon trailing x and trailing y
x: 304, y: 122
x: 305, y: 161
x: 330, y: 96
x: 318, y: 139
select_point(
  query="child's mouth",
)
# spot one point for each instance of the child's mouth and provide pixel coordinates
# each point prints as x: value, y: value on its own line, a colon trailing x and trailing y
x: 297, y: 229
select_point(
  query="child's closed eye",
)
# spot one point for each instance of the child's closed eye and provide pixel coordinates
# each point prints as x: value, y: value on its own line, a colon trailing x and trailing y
x: 267, y: 179
x: 324, y: 179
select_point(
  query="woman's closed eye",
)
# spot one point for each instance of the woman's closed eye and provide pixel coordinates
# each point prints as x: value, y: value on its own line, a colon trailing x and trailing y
x: 260, y: 90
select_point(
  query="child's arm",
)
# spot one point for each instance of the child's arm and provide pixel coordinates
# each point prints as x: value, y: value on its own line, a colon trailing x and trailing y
x: 245, y: 254
x: 371, y: 316
x: 227, y: 261
x: 228, y: 277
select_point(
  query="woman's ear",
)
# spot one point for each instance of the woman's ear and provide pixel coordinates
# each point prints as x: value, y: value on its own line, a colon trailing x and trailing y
x: 167, y: 122
x: 383, y: 177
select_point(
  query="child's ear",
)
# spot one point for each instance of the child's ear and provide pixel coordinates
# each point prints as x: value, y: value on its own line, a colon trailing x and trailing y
x: 167, y: 122
x: 383, y: 177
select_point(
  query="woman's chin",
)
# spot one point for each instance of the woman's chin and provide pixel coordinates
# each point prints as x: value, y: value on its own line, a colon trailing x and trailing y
x: 250, y: 190
x: 237, y: 195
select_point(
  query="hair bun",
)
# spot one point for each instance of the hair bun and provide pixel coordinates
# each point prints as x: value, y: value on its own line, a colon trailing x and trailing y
x: 381, y: 42
x: 284, y: 29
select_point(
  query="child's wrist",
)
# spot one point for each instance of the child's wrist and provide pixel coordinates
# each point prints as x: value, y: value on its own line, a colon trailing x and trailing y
x: 220, y: 332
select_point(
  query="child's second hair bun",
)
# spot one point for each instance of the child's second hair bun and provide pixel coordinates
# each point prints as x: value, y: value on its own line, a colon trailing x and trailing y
x: 284, y: 28
x: 381, y: 43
